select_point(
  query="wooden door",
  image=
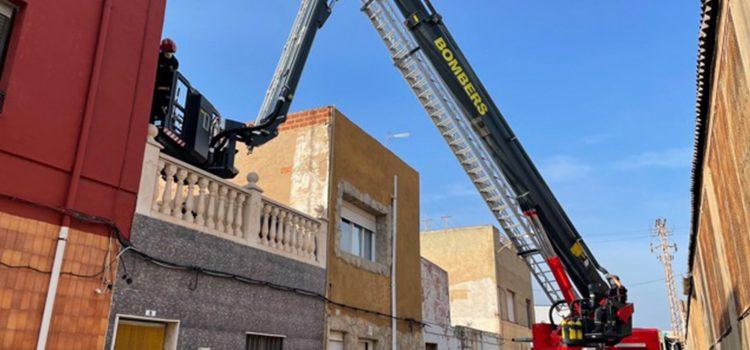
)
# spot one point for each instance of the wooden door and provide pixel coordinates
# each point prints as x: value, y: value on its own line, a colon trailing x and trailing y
x: 137, y: 335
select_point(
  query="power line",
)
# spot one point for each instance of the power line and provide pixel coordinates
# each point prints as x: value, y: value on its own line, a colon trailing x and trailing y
x: 626, y: 232
x: 128, y: 247
x: 651, y: 281
x: 633, y: 238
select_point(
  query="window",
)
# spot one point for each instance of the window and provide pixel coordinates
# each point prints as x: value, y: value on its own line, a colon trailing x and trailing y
x: 431, y: 346
x: 264, y: 342
x: 365, y: 345
x: 529, y: 313
x: 335, y: 341
x: 177, y: 114
x: 7, y: 13
x: 510, y: 302
x: 357, y: 232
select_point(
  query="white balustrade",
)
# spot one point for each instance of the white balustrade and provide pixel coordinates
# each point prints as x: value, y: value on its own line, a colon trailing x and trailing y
x: 177, y: 192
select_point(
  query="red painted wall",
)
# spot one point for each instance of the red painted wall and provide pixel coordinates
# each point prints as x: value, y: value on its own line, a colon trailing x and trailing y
x: 47, y: 76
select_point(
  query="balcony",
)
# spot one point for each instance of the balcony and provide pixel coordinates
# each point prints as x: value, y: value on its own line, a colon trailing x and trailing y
x: 176, y: 192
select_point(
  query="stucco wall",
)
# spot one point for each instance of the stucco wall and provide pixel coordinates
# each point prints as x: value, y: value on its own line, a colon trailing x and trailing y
x: 480, y: 270
x: 294, y: 167
x: 435, y: 297
x: 436, y: 313
x: 467, y: 254
x: 720, y: 299
x: 461, y: 338
x: 217, y: 312
x: 363, y: 163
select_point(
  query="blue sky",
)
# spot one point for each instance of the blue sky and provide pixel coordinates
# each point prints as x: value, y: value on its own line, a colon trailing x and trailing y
x: 601, y: 94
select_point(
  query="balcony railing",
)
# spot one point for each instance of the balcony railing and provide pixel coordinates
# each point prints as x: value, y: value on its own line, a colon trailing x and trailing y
x: 176, y: 192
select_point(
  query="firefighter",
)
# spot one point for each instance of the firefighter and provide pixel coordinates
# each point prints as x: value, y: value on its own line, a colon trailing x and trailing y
x: 165, y: 72
x: 604, y: 316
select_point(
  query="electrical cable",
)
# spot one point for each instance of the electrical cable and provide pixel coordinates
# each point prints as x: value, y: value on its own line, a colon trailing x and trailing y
x: 68, y: 273
x: 128, y: 247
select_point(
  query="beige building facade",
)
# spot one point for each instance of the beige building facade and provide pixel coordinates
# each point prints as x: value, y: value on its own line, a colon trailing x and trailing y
x: 718, y: 284
x: 490, y: 287
x: 323, y: 164
x: 439, y: 334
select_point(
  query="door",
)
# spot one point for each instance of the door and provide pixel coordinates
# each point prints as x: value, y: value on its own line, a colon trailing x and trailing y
x: 139, y: 335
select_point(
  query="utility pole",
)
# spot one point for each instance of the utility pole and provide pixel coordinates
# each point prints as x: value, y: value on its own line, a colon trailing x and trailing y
x: 446, y: 220
x: 665, y: 249
x: 426, y: 222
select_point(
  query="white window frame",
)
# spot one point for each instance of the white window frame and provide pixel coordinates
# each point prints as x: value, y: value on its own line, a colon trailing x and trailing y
x: 9, y: 10
x: 510, y: 305
x: 529, y: 313
x: 336, y: 337
x: 363, y: 222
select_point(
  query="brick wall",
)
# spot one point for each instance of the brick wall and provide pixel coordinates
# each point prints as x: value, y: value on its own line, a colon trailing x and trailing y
x: 307, y: 118
x: 80, y: 315
x: 720, y: 297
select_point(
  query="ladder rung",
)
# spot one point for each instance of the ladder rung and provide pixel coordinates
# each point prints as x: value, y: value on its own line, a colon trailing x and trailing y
x: 456, y: 128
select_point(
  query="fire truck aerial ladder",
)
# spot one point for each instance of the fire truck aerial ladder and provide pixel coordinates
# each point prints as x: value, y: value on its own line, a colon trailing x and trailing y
x: 432, y: 64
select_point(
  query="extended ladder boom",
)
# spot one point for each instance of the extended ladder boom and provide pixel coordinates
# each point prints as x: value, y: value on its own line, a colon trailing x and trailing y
x: 445, y: 84
x: 434, y: 40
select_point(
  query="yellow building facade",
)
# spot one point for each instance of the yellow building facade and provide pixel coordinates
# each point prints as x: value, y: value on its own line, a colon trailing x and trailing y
x: 489, y: 286
x: 323, y: 164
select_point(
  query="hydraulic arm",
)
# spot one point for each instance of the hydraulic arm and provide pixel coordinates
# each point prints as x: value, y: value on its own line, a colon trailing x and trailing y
x: 310, y: 18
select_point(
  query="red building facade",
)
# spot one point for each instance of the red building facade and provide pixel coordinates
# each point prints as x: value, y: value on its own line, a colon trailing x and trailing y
x: 77, y: 81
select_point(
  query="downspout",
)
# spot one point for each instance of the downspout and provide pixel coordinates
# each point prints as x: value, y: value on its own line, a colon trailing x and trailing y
x: 394, y: 331
x: 75, y: 177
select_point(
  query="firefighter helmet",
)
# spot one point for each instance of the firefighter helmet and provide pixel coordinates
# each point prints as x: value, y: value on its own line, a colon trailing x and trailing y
x: 168, y: 45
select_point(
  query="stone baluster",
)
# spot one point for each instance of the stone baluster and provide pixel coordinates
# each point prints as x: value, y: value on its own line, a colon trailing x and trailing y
x: 211, y: 211
x: 157, y: 181
x: 293, y: 234
x: 287, y: 231
x: 150, y: 177
x: 200, y: 210
x: 253, y: 208
x: 179, y: 197
x: 238, y: 215
x: 273, y: 232
x: 230, y: 211
x: 280, y: 234
x: 321, y: 234
x: 221, y: 211
x: 192, y: 179
x: 166, y: 196
x: 300, y: 236
x: 310, y: 238
x: 315, y: 240
x: 264, y: 224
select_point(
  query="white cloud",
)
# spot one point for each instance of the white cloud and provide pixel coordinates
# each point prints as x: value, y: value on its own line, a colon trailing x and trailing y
x: 564, y: 169
x: 669, y: 158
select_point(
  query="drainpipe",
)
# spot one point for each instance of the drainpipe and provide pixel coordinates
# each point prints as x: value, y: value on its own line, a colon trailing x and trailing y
x: 75, y: 177
x: 394, y: 331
